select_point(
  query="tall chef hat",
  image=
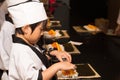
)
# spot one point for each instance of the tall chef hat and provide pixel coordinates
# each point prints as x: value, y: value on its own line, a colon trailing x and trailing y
x: 27, y: 13
x: 15, y: 2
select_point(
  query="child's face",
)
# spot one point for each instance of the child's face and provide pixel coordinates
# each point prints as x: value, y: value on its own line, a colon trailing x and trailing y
x: 34, y: 36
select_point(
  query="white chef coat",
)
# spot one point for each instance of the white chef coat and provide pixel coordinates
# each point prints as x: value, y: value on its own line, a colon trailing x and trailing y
x: 24, y: 63
x: 5, y: 46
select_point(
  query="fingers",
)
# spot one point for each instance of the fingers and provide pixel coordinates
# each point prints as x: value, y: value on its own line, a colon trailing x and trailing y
x: 71, y: 66
x: 75, y: 67
x: 64, y: 56
x: 68, y: 57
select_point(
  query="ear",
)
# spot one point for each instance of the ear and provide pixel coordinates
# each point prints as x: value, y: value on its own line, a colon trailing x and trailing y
x: 26, y: 29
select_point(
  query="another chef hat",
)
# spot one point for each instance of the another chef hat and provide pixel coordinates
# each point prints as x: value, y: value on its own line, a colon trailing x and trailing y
x: 27, y: 13
x: 15, y: 2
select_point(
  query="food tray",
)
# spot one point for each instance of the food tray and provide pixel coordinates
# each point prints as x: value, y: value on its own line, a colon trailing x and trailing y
x: 71, y: 47
x: 85, y: 72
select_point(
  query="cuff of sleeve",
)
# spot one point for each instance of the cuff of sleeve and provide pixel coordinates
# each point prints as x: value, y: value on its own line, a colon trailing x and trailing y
x: 40, y: 75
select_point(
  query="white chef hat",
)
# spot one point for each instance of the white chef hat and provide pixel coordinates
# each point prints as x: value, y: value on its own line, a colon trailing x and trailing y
x: 14, y: 2
x: 27, y: 13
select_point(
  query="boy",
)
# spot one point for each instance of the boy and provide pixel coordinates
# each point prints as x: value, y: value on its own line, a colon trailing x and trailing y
x: 27, y: 61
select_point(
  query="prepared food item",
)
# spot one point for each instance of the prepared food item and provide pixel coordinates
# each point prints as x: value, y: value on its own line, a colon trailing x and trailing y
x: 61, y: 47
x: 72, y: 73
x: 90, y: 27
x: 57, y: 46
x: 51, y: 32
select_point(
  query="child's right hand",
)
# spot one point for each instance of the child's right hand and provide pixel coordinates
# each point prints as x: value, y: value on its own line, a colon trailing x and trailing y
x: 65, y: 65
x: 53, y: 69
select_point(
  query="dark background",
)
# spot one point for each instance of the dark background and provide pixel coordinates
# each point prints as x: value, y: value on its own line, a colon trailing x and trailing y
x: 85, y: 11
x: 100, y: 50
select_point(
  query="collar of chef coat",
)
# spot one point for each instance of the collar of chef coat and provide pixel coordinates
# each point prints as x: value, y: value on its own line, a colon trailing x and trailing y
x: 41, y: 56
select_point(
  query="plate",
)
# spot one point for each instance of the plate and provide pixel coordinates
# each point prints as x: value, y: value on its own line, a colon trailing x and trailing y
x: 59, y: 34
x: 68, y: 47
x: 91, y: 28
x: 86, y: 30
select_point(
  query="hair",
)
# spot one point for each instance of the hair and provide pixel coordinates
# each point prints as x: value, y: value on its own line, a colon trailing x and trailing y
x: 33, y: 26
x: 8, y: 18
x: 2, y: 1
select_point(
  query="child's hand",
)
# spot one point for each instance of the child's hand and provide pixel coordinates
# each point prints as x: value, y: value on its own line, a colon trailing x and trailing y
x: 66, y: 65
x: 62, y: 54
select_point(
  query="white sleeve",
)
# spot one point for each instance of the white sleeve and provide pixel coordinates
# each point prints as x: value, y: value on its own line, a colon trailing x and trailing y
x: 5, y: 44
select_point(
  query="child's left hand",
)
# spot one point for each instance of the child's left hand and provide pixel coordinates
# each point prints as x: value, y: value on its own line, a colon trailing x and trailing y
x: 62, y: 54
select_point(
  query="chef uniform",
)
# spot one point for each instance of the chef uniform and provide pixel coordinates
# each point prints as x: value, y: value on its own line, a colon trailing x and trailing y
x: 6, y: 31
x: 26, y: 62
x: 5, y: 46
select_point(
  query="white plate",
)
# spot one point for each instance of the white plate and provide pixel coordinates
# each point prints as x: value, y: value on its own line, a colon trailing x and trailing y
x: 58, y: 35
x: 90, y: 29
